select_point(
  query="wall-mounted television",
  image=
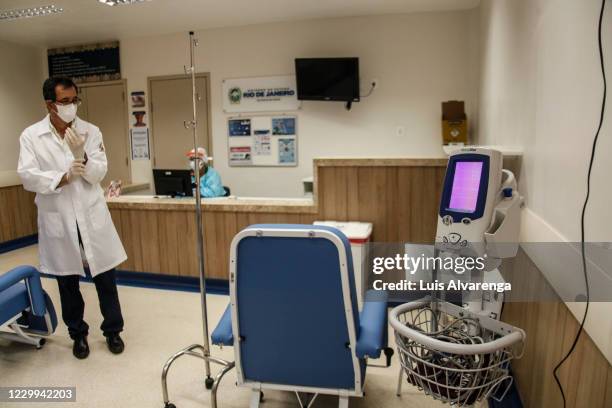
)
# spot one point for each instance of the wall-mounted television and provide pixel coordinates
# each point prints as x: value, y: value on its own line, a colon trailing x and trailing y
x: 327, y: 79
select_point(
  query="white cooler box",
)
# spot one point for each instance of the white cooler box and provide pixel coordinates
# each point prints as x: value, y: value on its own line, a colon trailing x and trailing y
x: 359, y: 234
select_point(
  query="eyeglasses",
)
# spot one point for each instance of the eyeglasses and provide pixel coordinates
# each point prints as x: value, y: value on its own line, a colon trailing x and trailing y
x: 76, y: 101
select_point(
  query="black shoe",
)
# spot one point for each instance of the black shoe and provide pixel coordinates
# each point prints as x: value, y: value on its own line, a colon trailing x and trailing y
x: 80, y: 349
x: 115, y: 344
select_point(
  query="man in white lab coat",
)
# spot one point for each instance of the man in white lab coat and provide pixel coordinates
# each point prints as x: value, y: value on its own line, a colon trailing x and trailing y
x: 62, y: 160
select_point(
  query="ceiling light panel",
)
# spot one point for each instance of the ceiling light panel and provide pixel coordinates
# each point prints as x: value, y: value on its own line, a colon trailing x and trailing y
x: 121, y: 2
x: 6, y: 15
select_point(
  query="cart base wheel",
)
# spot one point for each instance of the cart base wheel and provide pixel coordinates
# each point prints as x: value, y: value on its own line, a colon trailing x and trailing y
x: 389, y: 354
x: 209, y: 382
x: 169, y: 405
x: 261, y: 396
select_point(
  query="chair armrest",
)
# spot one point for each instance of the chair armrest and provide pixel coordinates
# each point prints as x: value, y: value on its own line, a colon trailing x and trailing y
x: 222, y: 335
x: 32, y: 278
x: 372, y: 325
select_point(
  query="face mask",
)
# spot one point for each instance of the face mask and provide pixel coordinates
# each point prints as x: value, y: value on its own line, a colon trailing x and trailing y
x: 192, y: 165
x: 67, y: 113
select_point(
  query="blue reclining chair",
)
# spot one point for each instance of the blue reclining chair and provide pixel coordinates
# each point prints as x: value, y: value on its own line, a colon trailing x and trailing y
x: 25, y: 308
x: 293, y: 318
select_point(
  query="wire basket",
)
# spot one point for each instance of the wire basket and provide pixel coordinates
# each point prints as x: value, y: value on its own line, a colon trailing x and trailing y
x: 454, y: 355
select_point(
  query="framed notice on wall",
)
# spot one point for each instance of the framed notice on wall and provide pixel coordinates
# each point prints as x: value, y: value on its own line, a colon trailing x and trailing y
x: 140, y: 143
x: 262, y: 141
x: 260, y: 94
x: 86, y: 63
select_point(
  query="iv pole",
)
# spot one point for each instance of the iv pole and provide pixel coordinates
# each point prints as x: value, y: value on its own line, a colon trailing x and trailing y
x: 204, y: 353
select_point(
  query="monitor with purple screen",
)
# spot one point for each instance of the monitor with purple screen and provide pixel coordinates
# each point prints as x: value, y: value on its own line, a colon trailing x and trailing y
x: 466, y: 185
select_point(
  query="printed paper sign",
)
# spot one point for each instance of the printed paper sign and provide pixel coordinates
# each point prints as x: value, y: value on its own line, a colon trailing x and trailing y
x: 283, y: 126
x: 240, y: 156
x: 140, y: 143
x: 262, y: 143
x: 286, y: 151
x: 239, y: 127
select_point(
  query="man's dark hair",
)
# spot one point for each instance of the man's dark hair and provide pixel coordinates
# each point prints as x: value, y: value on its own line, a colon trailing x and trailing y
x: 51, y: 83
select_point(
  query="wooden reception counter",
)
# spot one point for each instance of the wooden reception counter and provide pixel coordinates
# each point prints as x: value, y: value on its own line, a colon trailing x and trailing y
x: 398, y: 195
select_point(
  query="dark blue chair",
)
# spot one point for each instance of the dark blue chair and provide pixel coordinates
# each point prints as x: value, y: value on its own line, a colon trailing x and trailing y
x: 293, y: 318
x: 25, y: 308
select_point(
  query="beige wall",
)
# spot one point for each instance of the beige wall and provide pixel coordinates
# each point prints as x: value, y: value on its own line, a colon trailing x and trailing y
x: 541, y: 89
x: 21, y: 103
x: 419, y: 61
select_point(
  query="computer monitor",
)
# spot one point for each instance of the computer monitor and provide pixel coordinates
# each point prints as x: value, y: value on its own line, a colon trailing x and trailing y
x: 175, y: 183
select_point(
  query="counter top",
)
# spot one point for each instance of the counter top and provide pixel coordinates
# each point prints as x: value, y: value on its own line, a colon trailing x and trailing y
x: 380, y: 162
x: 232, y: 204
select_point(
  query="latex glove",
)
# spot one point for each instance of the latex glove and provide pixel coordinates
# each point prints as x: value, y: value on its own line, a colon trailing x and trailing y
x: 76, y: 143
x: 77, y: 169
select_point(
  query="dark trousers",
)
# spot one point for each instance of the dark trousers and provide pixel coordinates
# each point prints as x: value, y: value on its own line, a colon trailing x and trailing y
x: 73, y: 306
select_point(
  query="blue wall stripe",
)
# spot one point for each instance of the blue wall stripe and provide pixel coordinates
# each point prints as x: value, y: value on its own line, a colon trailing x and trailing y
x: 18, y: 243
x: 137, y: 279
x: 164, y: 282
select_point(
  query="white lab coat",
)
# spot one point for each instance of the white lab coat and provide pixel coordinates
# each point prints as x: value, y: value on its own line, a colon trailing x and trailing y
x: 43, y: 160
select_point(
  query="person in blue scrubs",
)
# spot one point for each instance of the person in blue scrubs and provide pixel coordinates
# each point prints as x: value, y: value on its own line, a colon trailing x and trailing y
x: 210, y: 180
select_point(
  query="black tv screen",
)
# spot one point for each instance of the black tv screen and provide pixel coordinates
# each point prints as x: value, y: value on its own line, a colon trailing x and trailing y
x: 327, y: 79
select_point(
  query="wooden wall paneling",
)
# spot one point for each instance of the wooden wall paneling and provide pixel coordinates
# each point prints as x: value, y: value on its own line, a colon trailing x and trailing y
x: 230, y: 230
x: 437, y: 183
x: 592, y: 374
x: 184, y: 223
x: 151, y: 251
x: 130, y: 241
x: 371, y: 200
x: 584, y: 374
x: 308, y: 218
x: 550, y: 328
x: 167, y: 254
x: 18, y: 213
x: 168, y: 241
x: 404, y: 199
x: 225, y: 229
x: 401, y: 202
x: 116, y: 217
x: 541, y: 321
x: 26, y: 214
x: 554, y: 317
x: 608, y: 398
x: 326, y: 190
x: 430, y: 203
x: 210, y: 241
x: 7, y: 215
x: 546, y: 320
x: 136, y: 221
x: 352, y: 194
x: 188, y: 246
x: 242, y: 221
x: 341, y: 196
x: 267, y: 218
x: 123, y: 228
x: 417, y: 232
x: 390, y: 198
x: 334, y: 193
